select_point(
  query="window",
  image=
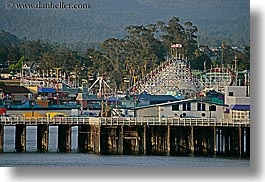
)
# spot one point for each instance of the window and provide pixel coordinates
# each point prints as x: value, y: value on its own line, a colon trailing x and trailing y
x: 189, y: 106
x: 203, y: 107
x: 186, y: 106
x: 231, y: 94
x: 200, y: 107
x: 212, y: 108
x: 175, y: 107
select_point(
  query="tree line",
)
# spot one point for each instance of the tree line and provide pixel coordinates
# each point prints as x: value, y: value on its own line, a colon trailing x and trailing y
x: 142, y: 49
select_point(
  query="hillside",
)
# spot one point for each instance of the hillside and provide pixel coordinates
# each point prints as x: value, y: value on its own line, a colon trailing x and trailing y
x: 216, y: 20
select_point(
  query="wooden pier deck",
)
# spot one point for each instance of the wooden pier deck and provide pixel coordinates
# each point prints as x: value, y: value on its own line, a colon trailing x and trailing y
x: 137, y: 135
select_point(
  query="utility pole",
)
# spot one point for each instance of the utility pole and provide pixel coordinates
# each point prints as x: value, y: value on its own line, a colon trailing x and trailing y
x: 236, y: 60
x: 134, y: 90
x: 223, y: 47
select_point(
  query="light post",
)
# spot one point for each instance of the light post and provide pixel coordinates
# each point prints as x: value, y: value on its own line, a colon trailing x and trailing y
x: 57, y: 97
x: 134, y: 90
x: 32, y: 104
x: 210, y: 111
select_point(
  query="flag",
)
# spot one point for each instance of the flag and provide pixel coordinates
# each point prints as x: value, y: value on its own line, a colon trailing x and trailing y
x: 176, y: 45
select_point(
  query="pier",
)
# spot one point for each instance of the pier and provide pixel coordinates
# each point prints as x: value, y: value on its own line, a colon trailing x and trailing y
x: 137, y: 135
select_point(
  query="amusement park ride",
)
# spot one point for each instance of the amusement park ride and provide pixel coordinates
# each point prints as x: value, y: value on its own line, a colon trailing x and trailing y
x: 172, y: 77
x: 175, y: 77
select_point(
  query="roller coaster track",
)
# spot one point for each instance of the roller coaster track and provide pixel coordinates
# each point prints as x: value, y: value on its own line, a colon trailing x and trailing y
x: 174, y: 77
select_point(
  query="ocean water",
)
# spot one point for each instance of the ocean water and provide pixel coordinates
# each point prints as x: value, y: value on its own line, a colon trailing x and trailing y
x: 53, y: 158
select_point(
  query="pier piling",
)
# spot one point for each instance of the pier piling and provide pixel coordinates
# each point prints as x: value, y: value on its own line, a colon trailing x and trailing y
x: 64, y: 138
x: 247, y: 142
x: 120, y: 139
x: 20, y: 143
x: 84, y: 142
x: 95, y: 139
x: 1, y: 138
x: 42, y: 138
x: 132, y: 136
x: 168, y: 140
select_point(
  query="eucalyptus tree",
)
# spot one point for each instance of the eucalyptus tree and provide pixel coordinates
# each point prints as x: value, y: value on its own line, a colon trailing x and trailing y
x: 144, y: 49
x: 175, y: 33
x: 133, y: 55
x: 114, y: 54
x: 201, y: 62
x: 190, y: 43
x: 244, y: 58
x: 64, y: 59
x: 171, y: 33
x: 95, y: 64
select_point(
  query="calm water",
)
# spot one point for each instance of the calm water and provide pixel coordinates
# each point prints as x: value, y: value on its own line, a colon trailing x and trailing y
x: 54, y: 159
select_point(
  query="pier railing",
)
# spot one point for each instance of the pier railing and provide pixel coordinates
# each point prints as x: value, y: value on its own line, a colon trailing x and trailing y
x: 174, y: 121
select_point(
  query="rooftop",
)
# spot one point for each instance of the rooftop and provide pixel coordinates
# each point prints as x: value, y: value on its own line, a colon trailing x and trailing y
x: 14, y: 89
x: 149, y: 97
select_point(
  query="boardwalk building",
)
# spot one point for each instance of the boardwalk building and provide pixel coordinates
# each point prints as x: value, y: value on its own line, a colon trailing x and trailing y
x: 238, y: 99
x: 190, y: 108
